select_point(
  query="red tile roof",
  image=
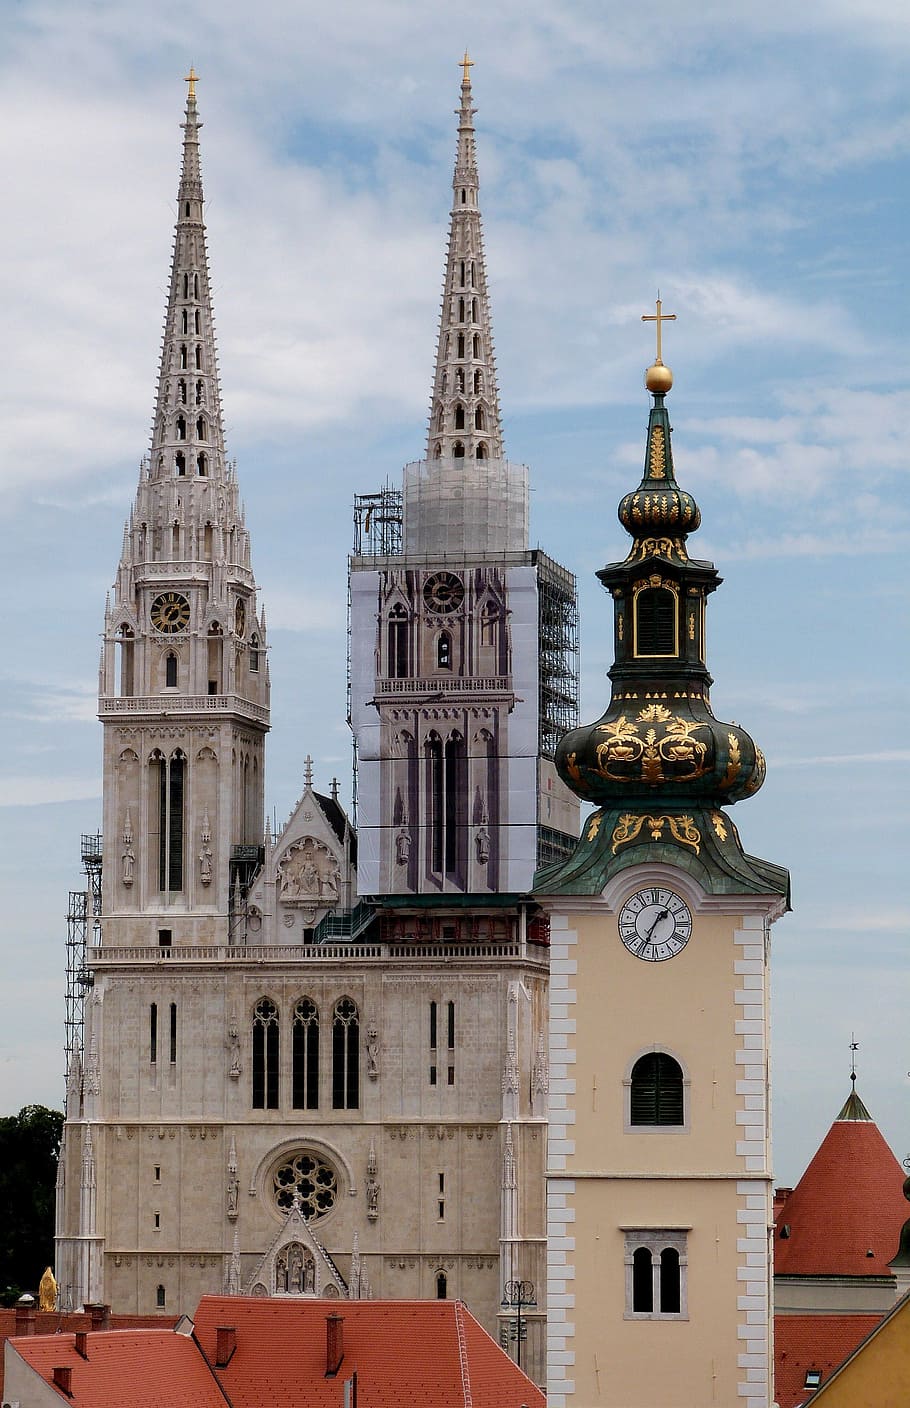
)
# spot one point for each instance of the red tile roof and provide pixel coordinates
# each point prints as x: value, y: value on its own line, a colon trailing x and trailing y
x: 54, y: 1322
x: 803, y: 1342
x: 142, y: 1368
x: 848, y: 1202
x: 404, y: 1352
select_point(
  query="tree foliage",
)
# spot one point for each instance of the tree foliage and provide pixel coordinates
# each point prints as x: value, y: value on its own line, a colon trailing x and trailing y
x: 29, y: 1149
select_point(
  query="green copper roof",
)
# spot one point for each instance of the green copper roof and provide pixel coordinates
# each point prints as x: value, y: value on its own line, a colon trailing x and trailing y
x: 854, y: 1109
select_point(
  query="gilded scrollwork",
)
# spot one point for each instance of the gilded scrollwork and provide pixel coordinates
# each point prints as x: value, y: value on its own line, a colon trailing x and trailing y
x: 627, y: 755
x: 734, y: 764
x: 718, y: 822
x: 594, y: 826
x: 657, y: 456
x: 682, y: 829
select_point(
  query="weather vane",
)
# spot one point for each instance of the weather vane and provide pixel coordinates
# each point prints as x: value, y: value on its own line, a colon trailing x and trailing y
x: 854, y: 1047
x: 658, y: 318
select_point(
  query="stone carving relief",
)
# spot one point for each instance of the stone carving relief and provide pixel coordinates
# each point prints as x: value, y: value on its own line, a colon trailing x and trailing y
x: 128, y: 855
x: 372, y: 1052
x: 205, y: 851
x: 233, y: 1184
x: 372, y: 1185
x: 309, y: 876
x: 233, y: 1043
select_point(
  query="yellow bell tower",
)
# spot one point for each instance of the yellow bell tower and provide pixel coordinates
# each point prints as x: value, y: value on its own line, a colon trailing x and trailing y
x: 659, y: 1160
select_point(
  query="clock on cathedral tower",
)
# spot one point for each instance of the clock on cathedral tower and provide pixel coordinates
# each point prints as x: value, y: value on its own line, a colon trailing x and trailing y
x: 659, y: 1170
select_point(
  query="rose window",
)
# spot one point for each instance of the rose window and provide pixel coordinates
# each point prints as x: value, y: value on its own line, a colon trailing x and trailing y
x: 309, y: 1183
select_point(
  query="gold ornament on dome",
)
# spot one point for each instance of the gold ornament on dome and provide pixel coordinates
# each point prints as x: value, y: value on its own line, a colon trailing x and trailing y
x: 720, y: 830
x: 758, y: 773
x: 628, y: 755
x: 657, y: 457
x: 658, y: 547
x: 734, y: 764
x: 681, y: 828
x: 594, y: 825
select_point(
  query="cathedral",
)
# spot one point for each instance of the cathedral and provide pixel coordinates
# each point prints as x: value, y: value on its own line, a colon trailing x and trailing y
x: 447, y: 1046
x: 315, y: 1062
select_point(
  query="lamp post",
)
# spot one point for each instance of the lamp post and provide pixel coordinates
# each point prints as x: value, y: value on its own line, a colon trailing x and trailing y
x: 518, y: 1295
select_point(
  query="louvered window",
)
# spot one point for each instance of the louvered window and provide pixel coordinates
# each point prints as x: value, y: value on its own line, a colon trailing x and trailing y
x: 657, y: 1090
x: 655, y: 622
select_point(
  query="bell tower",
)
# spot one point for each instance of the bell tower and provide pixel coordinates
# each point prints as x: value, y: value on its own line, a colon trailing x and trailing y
x: 659, y: 1146
x: 184, y: 690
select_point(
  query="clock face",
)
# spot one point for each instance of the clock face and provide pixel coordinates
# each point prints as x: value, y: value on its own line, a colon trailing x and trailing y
x: 655, y: 924
x: 240, y: 616
x: 443, y: 592
x: 170, y: 612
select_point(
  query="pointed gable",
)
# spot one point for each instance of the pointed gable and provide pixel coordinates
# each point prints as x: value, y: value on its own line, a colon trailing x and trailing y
x: 849, y: 1203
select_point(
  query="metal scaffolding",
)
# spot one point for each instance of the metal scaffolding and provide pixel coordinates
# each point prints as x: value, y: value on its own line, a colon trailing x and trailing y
x: 377, y: 523
x: 83, y: 914
x: 558, y: 651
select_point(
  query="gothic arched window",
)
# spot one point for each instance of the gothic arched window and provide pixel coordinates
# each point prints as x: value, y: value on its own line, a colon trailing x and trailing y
x: 444, y: 651
x: 479, y: 423
x: 656, y: 1096
x: 254, y: 654
x: 200, y: 429
x: 265, y: 1055
x: 477, y: 344
x: 458, y: 450
x: 655, y: 622
x: 171, y: 779
x: 442, y: 1285
x: 398, y: 642
x: 459, y: 417
x: 170, y: 671
x: 126, y: 643
x: 478, y: 383
x: 181, y: 428
x: 183, y: 361
x: 461, y: 344
x: 181, y: 388
x: 199, y: 359
x: 305, y: 1056
x: 180, y: 462
x: 345, y: 1055
x: 481, y: 452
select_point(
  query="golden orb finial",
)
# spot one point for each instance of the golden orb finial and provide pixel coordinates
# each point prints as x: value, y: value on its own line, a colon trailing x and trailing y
x: 658, y: 378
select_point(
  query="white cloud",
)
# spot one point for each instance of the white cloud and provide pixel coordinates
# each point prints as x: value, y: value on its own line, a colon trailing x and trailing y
x: 38, y: 791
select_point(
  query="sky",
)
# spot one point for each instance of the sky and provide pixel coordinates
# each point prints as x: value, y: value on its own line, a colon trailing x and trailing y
x: 748, y: 161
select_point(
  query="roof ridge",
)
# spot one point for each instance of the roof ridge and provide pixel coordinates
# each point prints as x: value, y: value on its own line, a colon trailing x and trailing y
x: 463, y: 1356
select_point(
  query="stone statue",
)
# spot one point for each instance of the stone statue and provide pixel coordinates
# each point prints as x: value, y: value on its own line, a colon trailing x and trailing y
x: 482, y: 842
x: 47, y: 1291
x: 372, y: 1199
x: 234, y: 1045
x: 331, y: 883
x: 402, y: 846
x: 309, y: 1276
x: 128, y: 862
x: 372, y: 1053
x: 233, y: 1191
x: 205, y: 864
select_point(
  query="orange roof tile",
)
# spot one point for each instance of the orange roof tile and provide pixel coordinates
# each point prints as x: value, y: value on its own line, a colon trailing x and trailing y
x: 403, y: 1352
x: 803, y: 1342
x: 55, y: 1322
x: 144, y: 1368
x: 849, y: 1202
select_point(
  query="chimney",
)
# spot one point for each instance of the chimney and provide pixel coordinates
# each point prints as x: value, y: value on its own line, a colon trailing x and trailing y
x: 100, y: 1315
x: 334, y: 1344
x: 25, y: 1315
x: 81, y: 1345
x: 63, y: 1379
x: 225, y: 1344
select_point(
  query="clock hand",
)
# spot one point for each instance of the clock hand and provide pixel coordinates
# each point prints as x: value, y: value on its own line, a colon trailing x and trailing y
x: 664, y: 914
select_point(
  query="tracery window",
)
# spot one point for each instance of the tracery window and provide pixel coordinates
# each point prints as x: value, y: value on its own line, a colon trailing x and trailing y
x: 398, y: 642
x: 305, y: 1178
x: 265, y: 1055
x: 171, y: 778
x: 345, y: 1055
x: 305, y: 1056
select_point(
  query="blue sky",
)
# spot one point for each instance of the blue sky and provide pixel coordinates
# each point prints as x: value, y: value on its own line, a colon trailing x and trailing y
x: 749, y: 161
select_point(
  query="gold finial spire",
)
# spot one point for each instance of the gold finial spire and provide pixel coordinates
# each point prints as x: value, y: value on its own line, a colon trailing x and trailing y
x: 191, y: 78
x: 658, y: 378
x: 467, y: 64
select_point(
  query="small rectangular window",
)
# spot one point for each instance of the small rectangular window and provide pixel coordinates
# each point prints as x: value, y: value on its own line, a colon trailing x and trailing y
x: 813, y: 1378
x: 157, y: 1173
x: 173, y: 1034
x: 153, y: 1033
x: 442, y: 1183
x: 451, y: 1075
x: 451, y: 1024
x: 432, y: 1075
x: 442, y: 1209
x: 157, y: 1216
x: 432, y: 1026
x: 164, y: 938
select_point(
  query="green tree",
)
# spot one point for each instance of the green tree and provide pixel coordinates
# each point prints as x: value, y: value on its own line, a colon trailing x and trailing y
x: 29, y: 1149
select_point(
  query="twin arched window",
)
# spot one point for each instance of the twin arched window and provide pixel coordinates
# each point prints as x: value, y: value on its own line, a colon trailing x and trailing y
x: 655, y: 1281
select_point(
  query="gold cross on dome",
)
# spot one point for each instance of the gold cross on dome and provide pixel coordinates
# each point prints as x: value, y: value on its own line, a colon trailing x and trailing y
x: 658, y: 318
x: 191, y: 78
x: 467, y: 64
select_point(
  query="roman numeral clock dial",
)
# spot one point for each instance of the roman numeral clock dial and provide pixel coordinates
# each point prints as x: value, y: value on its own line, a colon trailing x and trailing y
x: 655, y: 924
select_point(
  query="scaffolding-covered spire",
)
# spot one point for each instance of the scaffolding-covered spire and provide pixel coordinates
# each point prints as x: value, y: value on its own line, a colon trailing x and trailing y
x: 464, y: 413
x: 188, y: 433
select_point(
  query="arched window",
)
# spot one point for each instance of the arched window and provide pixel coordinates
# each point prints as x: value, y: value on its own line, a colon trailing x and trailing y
x: 473, y: 281
x: 461, y: 310
x: 477, y: 344
x: 305, y: 1056
x: 459, y: 417
x: 201, y: 433
x: 444, y: 651
x: 473, y: 310
x: 444, y: 383
x: 199, y: 359
x: 440, y: 419
x: 437, y: 453
x: 461, y: 344
x: 398, y: 642
x: 669, y: 1281
x: 458, y: 450
x: 171, y: 777
x: 202, y: 466
x: 197, y: 321
x: 181, y: 388
x: 170, y: 671
x: 186, y: 285
x: 459, y: 379
x: 181, y: 427
x: 254, y: 654
x: 478, y: 383
x: 655, y: 622
x: 462, y: 273
x: 215, y: 657
x: 265, y: 1055
x: 656, y: 1096
x: 186, y: 321
x: 642, y: 1281
x: 345, y: 1056
x: 464, y: 197
x: 160, y: 1298
x: 186, y: 209
x: 195, y: 285
x: 126, y: 644
x: 481, y: 452
x: 180, y: 462
x: 200, y: 394
x: 488, y: 618
x: 479, y: 423
x: 442, y: 1284
x: 183, y: 361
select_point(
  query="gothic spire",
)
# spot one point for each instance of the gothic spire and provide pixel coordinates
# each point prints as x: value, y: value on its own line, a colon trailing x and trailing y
x: 188, y: 433
x: 464, y: 409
